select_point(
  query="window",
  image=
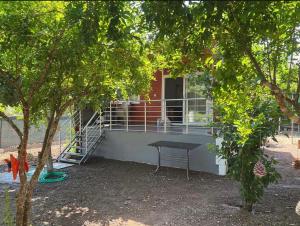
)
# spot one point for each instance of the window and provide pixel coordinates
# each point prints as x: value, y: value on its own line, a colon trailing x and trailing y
x: 199, y: 107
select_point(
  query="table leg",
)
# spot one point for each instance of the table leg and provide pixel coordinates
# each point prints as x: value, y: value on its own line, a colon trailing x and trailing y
x: 188, y: 164
x: 158, y: 160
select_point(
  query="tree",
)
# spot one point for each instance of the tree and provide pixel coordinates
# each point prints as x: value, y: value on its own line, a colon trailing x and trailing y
x: 55, y: 55
x: 230, y: 37
x: 245, y: 130
x: 245, y: 47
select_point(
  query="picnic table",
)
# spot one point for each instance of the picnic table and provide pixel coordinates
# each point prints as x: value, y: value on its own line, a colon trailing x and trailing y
x: 177, y: 145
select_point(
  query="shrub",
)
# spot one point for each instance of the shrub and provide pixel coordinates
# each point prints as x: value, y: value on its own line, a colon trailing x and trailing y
x: 247, y: 119
x: 241, y: 159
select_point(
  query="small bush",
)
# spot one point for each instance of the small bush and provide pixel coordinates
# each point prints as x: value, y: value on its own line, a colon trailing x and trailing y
x: 241, y: 159
x: 247, y: 120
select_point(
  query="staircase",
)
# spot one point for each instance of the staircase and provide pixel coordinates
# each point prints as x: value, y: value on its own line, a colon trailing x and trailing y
x: 85, y: 140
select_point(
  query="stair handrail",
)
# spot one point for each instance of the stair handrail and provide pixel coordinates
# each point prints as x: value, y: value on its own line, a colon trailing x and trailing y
x: 92, y: 141
x: 87, y: 124
x: 66, y: 148
x: 85, y: 130
x: 71, y: 117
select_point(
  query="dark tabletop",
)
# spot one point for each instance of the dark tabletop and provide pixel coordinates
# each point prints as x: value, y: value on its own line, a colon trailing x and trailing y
x: 172, y: 144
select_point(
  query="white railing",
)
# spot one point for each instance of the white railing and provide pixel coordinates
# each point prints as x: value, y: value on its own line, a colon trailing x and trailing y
x: 70, y: 126
x: 84, y: 140
x: 187, y: 116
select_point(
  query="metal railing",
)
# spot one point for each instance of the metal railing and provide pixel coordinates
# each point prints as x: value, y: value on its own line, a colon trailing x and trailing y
x: 185, y: 116
x: 84, y: 140
x: 73, y: 125
x: 289, y: 129
x: 92, y: 131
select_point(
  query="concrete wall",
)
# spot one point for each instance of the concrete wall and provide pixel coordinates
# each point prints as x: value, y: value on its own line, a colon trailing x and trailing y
x: 133, y: 146
x: 9, y: 138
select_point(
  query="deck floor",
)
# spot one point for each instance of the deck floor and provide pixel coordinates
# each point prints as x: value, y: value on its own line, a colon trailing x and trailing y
x: 173, y: 129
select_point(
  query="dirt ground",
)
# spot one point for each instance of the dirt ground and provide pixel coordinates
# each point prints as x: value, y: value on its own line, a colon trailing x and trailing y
x: 106, y: 192
x: 32, y: 152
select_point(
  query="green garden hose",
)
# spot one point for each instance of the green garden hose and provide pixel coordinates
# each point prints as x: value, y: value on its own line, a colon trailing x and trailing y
x: 51, y: 177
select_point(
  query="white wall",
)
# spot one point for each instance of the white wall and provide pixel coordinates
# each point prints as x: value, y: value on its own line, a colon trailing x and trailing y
x: 133, y: 146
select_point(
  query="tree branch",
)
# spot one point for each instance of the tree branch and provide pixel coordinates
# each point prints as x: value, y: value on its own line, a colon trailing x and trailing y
x: 273, y: 87
x: 280, y: 97
x: 275, y: 65
x: 12, y: 124
x: 269, y: 60
x: 39, y: 82
x: 298, y: 86
x: 14, y: 83
x: 291, y: 115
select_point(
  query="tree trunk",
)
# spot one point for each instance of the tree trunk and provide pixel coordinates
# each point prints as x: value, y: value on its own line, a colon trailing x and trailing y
x: 22, y: 174
x: 50, y: 161
x: 285, y: 103
x: 27, y: 209
x: 248, y: 206
x: 24, y: 199
x: 243, y: 180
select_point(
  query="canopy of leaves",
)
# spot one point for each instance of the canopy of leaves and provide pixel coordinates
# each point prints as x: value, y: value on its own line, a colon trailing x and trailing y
x: 256, y: 41
x: 246, y: 47
x: 53, y: 53
x: 248, y: 119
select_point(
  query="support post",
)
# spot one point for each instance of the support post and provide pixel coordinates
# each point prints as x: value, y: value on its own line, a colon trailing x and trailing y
x: 188, y: 164
x: 70, y: 131
x: 86, y: 139
x: 100, y: 122
x: 158, y: 159
x: 186, y: 116
x: 127, y: 104
x: 165, y: 116
x: 145, y: 117
x: 80, y: 123
x: 110, y: 116
x: 59, y: 139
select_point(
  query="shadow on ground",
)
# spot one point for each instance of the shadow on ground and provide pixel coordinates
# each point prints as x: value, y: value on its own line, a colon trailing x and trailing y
x: 106, y: 192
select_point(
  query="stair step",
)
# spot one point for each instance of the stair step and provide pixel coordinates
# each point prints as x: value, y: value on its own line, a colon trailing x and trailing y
x: 77, y: 158
x: 85, y: 142
x: 78, y: 147
x: 69, y: 160
x: 87, y: 136
x: 74, y: 153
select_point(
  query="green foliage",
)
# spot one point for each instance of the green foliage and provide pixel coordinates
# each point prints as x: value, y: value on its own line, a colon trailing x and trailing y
x: 81, y: 51
x: 7, y: 93
x: 56, y: 55
x: 8, y: 218
x: 247, y: 120
x: 246, y: 47
x: 253, y: 40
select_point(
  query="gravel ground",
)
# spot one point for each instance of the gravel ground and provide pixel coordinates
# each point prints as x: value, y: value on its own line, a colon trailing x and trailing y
x: 107, y: 192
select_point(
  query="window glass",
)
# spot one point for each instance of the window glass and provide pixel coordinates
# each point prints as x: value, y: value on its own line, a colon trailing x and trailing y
x: 199, y: 109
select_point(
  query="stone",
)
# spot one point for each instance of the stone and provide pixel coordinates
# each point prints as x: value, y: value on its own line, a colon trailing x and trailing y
x: 297, y: 209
